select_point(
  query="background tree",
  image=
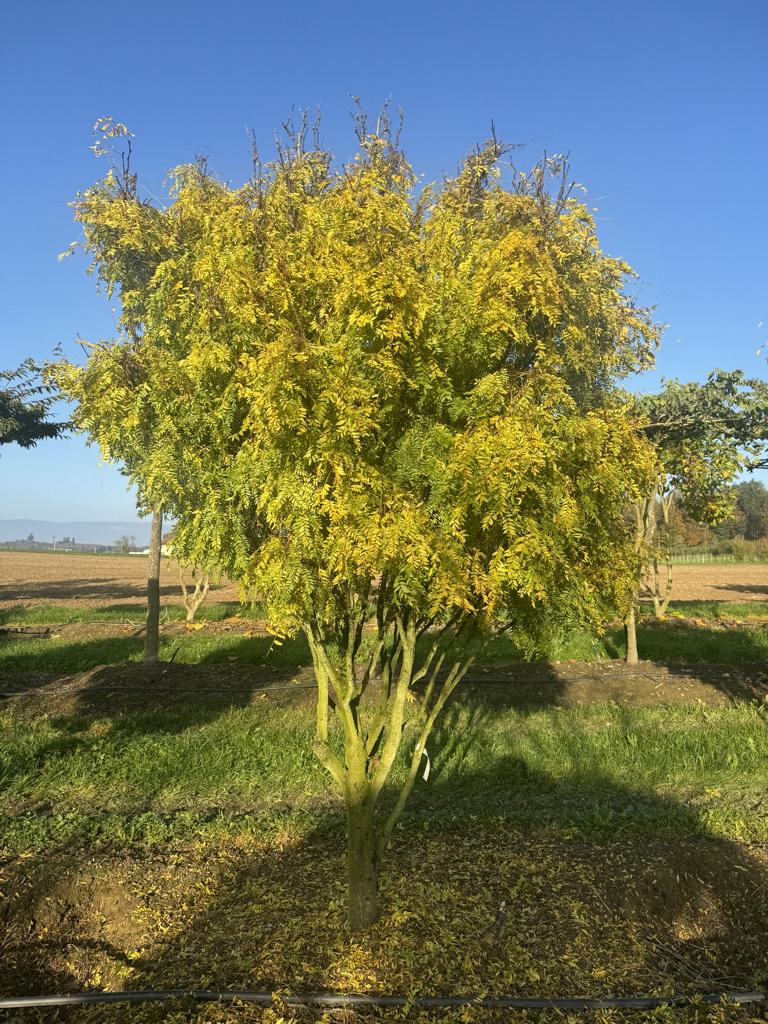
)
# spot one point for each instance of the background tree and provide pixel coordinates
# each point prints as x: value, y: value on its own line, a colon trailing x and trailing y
x: 194, y: 593
x: 704, y: 436
x: 388, y: 409
x: 752, y: 506
x: 25, y: 407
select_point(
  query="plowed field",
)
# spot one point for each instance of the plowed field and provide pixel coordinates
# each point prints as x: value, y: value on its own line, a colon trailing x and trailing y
x: 88, y: 580
x: 106, y: 580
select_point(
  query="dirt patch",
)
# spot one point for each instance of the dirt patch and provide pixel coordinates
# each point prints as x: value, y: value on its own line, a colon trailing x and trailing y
x: 89, y: 581
x: 743, y: 581
x: 133, y: 686
x: 82, y: 913
x: 136, y: 687
x: 648, y: 683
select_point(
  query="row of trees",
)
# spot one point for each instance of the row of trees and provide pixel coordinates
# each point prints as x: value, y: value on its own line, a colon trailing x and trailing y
x: 394, y: 413
x: 747, y: 521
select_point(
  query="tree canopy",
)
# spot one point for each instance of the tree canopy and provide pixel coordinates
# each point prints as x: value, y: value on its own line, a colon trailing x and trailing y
x: 389, y: 410
x: 25, y: 407
x: 704, y: 436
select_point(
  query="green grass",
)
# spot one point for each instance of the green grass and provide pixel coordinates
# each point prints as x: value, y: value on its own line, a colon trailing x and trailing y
x: 670, y: 642
x: 149, y: 777
x: 227, y: 764
x: 716, y: 610
x: 44, y: 614
x: 59, y: 654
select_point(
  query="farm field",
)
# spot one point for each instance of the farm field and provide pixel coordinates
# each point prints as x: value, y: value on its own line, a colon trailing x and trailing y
x: 112, y: 581
x: 169, y: 826
x: 88, y: 581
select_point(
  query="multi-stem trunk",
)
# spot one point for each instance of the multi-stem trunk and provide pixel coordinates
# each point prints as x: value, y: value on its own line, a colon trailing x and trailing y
x: 373, y: 731
x: 194, y: 598
x: 152, y: 632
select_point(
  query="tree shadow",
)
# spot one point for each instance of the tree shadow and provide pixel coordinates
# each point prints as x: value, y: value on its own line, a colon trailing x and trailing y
x: 610, y: 888
x: 88, y: 587
x: 194, y: 694
x: 21, y: 666
x: 745, y: 588
x: 10, y: 612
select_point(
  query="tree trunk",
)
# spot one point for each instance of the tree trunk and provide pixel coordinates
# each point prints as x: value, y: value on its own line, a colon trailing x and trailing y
x: 152, y: 632
x: 362, y: 888
x: 630, y: 632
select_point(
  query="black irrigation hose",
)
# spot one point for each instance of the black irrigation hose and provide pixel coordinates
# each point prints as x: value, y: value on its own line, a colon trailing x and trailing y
x: 336, y: 999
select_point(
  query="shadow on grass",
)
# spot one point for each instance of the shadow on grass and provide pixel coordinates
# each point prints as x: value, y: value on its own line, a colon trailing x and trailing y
x: 644, y: 901
x: 23, y: 656
x: 34, y: 655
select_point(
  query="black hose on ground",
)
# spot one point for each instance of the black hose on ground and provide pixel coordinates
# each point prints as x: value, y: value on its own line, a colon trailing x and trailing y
x: 336, y: 999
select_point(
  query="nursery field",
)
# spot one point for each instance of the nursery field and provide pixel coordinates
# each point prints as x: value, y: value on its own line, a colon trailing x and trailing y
x: 585, y: 830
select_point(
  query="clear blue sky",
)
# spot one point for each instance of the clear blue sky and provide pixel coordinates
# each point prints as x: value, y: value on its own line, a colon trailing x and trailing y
x: 662, y: 106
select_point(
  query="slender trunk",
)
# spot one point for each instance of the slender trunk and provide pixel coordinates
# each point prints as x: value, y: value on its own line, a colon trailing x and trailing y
x: 630, y: 632
x: 362, y: 884
x: 152, y: 633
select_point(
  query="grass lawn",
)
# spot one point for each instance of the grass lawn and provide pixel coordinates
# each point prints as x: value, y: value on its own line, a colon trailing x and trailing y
x: 144, y: 777
x: 694, y: 632
x: 36, y: 614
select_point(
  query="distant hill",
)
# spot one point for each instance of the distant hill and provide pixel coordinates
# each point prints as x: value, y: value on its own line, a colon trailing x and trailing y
x: 82, y: 533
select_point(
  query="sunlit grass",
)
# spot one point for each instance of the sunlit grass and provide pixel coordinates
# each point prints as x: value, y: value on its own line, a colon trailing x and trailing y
x: 65, y: 614
x: 199, y: 768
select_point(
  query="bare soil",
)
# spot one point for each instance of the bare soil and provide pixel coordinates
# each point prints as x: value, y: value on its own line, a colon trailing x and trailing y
x: 134, y: 686
x: 89, y: 580
x: 745, y: 581
x: 117, y: 580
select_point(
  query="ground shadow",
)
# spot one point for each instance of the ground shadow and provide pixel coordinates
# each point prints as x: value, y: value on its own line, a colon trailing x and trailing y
x: 21, y: 664
x: 194, y: 693
x: 745, y: 588
x: 640, y: 904
x: 88, y: 587
x: 610, y: 888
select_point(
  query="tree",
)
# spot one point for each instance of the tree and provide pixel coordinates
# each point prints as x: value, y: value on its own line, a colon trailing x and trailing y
x: 752, y: 504
x: 704, y: 435
x: 125, y: 544
x: 194, y: 594
x: 25, y: 407
x: 152, y: 630
x: 389, y: 410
